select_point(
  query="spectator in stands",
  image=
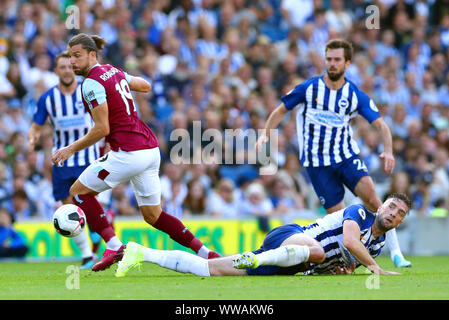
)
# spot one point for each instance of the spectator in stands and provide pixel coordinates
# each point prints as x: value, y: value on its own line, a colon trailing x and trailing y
x: 338, y: 17
x: 19, y: 53
x: 441, y: 174
x: 173, y: 202
x: 224, y: 200
x: 399, y: 121
x: 45, y: 203
x: 283, y: 195
x: 256, y: 204
x: 422, y: 202
x: 400, y: 183
x: 15, y: 79
x: 7, y: 90
x: 121, y: 202
x: 20, y: 205
x: 194, y: 203
x: 429, y: 92
x: 11, y: 243
x: 443, y: 92
x: 16, y: 149
x: 5, y: 185
x: 296, y: 12
x: 40, y: 74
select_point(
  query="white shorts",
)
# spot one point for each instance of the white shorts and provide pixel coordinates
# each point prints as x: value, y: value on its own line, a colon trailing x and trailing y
x: 141, y: 168
x: 105, y: 196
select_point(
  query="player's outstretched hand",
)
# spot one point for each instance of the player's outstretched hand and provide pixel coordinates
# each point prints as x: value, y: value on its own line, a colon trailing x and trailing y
x: 388, y: 160
x: 260, y: 142
x: 378, y: 270
x: 385, y: 272
x: 62, y: 155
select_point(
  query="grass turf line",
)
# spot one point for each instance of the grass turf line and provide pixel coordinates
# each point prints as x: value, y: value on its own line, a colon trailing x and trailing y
x: 427, y: 279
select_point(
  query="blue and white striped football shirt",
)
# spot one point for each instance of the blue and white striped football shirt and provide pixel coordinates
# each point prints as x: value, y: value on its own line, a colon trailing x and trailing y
x: 322, y: 121
x: 328, y: 231
x: 70, y: 122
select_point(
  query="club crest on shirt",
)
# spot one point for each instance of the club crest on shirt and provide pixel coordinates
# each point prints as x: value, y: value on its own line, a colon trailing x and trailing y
x: 343, y: 103
x: 79, y: 105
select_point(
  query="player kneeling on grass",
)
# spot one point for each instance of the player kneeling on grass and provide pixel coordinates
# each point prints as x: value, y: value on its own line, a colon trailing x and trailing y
x: 337, y: 243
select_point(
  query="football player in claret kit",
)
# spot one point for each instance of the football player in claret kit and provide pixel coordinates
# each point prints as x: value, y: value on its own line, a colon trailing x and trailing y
x: 134, y: 156
x: 62, y: 105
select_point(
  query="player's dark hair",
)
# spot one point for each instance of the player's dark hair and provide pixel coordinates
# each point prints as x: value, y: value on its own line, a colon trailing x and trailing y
x: 64, y: 54
x: 89, y: 43
x: 403, y: 197
x: 341, y: 44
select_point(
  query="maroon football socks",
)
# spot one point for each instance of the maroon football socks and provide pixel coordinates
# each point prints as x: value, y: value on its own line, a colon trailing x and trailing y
x: 96, y: 218
x: 177, y: 231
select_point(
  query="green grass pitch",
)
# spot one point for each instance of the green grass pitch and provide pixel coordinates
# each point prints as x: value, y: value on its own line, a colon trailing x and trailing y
x: 427, y: 279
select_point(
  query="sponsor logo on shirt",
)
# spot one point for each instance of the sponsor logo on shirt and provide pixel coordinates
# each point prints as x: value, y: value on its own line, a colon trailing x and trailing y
x: 73, y: 122
x: 325, y: 118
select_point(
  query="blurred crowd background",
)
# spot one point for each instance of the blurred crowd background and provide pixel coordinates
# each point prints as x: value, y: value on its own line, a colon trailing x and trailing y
x: 226, y: 63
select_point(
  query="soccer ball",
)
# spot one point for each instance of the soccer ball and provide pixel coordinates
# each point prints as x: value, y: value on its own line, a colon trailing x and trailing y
x: 69, y: 220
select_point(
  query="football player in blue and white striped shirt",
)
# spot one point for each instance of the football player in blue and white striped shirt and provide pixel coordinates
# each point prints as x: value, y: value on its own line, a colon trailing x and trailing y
x: 63, y: 106
x: 337, y: 243
x: 325, y: 105
x: 349, y: 238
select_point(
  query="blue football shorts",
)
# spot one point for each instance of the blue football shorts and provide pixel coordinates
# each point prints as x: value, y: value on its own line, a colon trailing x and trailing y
x: 63, y: 178
x: 274, y: 240
x: 329, y: 181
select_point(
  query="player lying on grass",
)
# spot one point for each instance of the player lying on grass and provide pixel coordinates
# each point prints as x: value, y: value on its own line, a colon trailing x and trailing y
x: 337, y: 243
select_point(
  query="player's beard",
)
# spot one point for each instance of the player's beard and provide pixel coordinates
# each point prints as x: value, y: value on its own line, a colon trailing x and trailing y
x: 82, y: 72
x: 380, y: 224
x: 67, y: 84
x: 335, y: 76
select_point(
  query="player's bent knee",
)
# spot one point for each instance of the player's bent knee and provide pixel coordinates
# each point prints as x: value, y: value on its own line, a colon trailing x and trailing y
x: 149, y: 219
x: 317, y: 254
x: 151, y: 213
x: 78, y: 189
x: 75, y: 190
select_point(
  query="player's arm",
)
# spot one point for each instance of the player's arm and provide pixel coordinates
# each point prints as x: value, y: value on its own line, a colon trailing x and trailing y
x: 387, y: 154
x: 289, y: 102
x: 39, y: 119
x: 33, y: 135
x: 351, y: 240
x: 100, y: 115
x: 273, y: 121
x: 138, y: 84
x: 96, y: 133
x: 368, y: 109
